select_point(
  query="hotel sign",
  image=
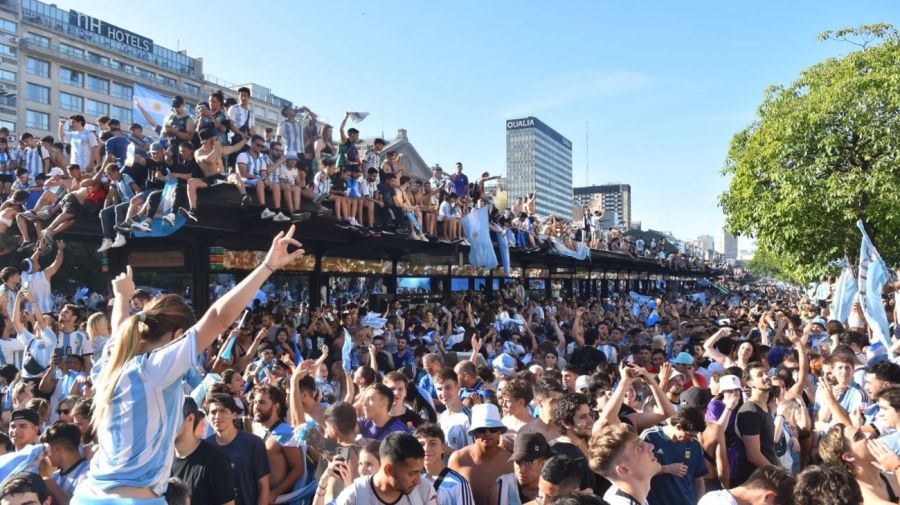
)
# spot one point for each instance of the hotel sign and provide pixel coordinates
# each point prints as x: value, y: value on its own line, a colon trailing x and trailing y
x: 109, y: 31
x: 515, y: 124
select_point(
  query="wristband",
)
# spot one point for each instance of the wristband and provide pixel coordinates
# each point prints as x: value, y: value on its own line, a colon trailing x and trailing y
x: 268, y: 267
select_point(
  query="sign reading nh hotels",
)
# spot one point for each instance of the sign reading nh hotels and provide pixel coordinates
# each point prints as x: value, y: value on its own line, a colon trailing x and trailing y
x: 107, y: 30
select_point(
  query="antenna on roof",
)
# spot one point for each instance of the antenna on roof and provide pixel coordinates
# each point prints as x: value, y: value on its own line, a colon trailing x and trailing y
x: 587, y: 152
x: 382, y: 119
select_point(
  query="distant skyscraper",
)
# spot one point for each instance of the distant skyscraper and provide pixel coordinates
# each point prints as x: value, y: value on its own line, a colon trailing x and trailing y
x: 610, y: 197
x: 706, y: 242
x: 539, y: 159
x: 726, y: 245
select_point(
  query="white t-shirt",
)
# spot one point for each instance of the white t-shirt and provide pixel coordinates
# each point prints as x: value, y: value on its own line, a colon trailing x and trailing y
x: 445, y: 210
x: 252, y: 166
x: 286, y: 175
x: 722, y: 497
x: 238, y: 115
x: 362, y: 492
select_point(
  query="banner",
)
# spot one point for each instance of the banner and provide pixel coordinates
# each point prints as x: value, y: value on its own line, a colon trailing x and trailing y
x: 481, y: 250
x: 873, y: 274
x: 26, y: 460
x: 160, y: 228
x: 154, y: 103
x: 844, y: 294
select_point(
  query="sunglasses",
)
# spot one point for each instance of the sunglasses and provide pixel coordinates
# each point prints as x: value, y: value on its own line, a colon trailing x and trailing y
x: 63, y: 412
x: 482, y: 431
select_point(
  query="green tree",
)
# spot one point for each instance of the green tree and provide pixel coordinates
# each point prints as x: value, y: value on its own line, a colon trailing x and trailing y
x: 821, y: 154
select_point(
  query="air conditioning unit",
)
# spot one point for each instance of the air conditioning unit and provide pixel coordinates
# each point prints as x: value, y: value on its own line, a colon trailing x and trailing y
x: 14, y: 39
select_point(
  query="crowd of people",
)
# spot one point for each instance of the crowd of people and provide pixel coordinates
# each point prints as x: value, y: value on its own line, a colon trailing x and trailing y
x: 754, y: 396
x: 119, y: 173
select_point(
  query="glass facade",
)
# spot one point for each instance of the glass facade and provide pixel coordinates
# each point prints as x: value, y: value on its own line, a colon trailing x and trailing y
x: 38, y: 67
x: 37, y: 120
x: 539, y: 160
x: 37, y: 93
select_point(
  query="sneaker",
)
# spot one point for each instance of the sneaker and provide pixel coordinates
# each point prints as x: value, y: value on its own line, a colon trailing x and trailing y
x: 26, y: 245
x: 267, y: 214
x: 169, y: 219
x: 353, y: 222
x: 46, y: 236
x: 246, y: 202
x: 188, y: 213
x: 105, y: 245
x: 120, y: 240
x: 300, y: 216
x: 323, y: 210
x: 280, y: 218
x: 147, y: 226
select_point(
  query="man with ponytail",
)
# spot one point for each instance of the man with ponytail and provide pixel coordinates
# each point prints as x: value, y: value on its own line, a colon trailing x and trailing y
x: 138, y: 391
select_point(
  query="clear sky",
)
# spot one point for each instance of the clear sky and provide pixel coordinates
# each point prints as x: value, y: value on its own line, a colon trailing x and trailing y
x: 663, y: 84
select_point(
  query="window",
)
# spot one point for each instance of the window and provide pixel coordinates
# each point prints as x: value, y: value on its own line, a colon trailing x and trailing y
x: 122, y: 114
x: 98, y: 84
x: 8, y: 26
x: 37, y: 120
x: 38, y: 67
x: 71, y: 50
x: 71, y: 77
x: 7, y: 50
x: 39, y: 94
x: 9, y: 125
x: 39, y: 40
x: 168, y: 81
x: 121, y: 90
x: 103, y: 60
x: 124, y: 67
x: 73, y: 103
x: 97, y: 109
x: 190, y: 88
x: 146, y: 74
x: 6, y: 75
x: 8, y: 100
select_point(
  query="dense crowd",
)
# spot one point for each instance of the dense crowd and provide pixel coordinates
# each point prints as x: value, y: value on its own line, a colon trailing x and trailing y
x: 100, y: 169
x: 754, y: 396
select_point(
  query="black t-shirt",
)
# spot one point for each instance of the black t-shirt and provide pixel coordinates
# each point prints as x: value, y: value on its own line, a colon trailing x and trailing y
x: 408, y: 417
x: 752, y: 420
x: 189, y: 167
x: 208, y: 473
x: 247, y: 454
x: 588, y: 477
x: 387, y: 194
x: 138, y: 173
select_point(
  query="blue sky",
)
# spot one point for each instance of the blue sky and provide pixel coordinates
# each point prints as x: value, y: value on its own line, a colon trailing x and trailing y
x: 663, y: 84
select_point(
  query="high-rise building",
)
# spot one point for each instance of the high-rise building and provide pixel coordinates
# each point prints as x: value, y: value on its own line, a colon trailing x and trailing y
x: 539, y: 160
x: 726, y: 245
x: 56, y: 62
x: 706, y: 242
x: 612, y: 198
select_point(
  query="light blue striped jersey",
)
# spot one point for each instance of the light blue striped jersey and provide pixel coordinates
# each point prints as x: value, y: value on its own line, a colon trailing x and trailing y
x: 123, y: 187
x: 6, y: 164
x: 75, y: 343
x: 34, y: 160
x: 136, y: 442
x: 67, y: 480
x: 38, y: 348
x: 40, y: 288
x: 253, y: 166
x: 451, y: 487
x: 291, y: 134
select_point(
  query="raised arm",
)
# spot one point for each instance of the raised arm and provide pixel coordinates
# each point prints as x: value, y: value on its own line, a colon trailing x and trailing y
x: 343, y: 124
x: 226, y: 309
x: 610, y: 414
x: 226, y: 150
x: 711, y: 351
x: 147, y: 117
x: 642, y: 420
x: 796, y: 391
x: 57, y: 261
x: 577, y: 328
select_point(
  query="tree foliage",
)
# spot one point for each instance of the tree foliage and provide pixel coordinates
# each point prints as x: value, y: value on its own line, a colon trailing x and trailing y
x: 821, y: 154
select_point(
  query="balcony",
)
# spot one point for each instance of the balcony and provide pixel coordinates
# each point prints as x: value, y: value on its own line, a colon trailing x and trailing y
x: 130, y: 72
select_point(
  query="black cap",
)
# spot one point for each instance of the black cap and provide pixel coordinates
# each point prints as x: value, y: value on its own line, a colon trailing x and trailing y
x: 696, y: 397
x: 380, y: 141
x: 190, y: 407
x: 208, y: 132
x: 529, y: 447
x: 178, y: 101
x: 29, y: 415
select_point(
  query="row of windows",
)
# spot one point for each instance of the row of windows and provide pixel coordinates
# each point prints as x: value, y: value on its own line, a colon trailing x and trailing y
x: 41, y: 120
x: 76, y: 78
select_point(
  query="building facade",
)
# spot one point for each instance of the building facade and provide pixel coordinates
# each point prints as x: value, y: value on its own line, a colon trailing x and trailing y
x: 612, y: 198
x: 726, y: 245
x: 539, y: 160
x: 56, y: 62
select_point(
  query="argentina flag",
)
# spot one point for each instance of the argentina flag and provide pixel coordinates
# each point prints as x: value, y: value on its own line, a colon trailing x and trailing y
x: 873, y: 274
x: 844, y: 295
x: 26, y: 460
x: 481, y: 249
x: 154, y: 103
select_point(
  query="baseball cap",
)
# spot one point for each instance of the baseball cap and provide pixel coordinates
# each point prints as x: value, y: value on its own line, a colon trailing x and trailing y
x: 696, y: 397
x: 529, y: 447
x: 505, y: 364
x: 156, y: 146
x: 56, y: 171
x: 29, y: 415
x: 819, y: 320
x: 683, y: 358
x: 291, y: 156
x: 729, y: 382
x: 582, y: 382
x: 177, y: 101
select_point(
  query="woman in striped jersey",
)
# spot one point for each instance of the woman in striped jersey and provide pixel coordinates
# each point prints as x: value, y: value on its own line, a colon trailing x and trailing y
x: 137, y: 407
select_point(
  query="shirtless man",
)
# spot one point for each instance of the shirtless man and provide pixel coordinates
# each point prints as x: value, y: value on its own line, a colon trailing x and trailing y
x: 514, y: 398
x: 423, y: 200
x: 483, y: 462
x: 209, y: 159
x: 545, y: 392
x: 285, y: 461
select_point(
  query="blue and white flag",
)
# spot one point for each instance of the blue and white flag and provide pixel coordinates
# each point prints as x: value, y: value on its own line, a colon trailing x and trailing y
x: 873, y: 274
x: 701, y: 297
x: 229, y: 348
x: 199, y: 392
x: 844, y: 295
x: 346, y: 351
x: 160, y: 228
x: 638, y: 301
x: 154, y: 103
x: 26, y: 460
x: 373, y: 320
x: 652, y: 319
x: 481, y: 250
x: 503, y: 247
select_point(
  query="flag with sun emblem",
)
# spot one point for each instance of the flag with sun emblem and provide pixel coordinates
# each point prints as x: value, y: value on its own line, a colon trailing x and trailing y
x: 481, y: 250
x: 154, y: 103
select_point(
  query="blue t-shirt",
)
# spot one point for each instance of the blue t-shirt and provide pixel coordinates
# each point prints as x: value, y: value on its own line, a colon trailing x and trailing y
x: 667, y: 489
x: 367, y: 428
x: 460, y: 185
x: 118, y: 147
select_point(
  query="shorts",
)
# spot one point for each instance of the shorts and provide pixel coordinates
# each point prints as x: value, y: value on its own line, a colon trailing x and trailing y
x: 213, y: 179
x: 250, y: 183
x: 7, y: 178
x: 70, y: 205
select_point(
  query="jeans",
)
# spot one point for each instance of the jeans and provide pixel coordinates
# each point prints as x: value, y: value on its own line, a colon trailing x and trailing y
x: 411, y: 217
x: 110, y: 217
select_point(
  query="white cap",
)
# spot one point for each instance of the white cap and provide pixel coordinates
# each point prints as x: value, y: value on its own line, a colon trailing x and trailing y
x: 56, y: 171
x: 486, y: 415
x: 582, y: 382
x: 729, y: 382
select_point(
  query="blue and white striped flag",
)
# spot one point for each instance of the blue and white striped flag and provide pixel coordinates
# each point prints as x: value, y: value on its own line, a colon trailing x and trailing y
x: 844, y: 295
x: 873, y: 274
x: 26, y: 460
x: 481, y: 249
x: 154, y: 103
